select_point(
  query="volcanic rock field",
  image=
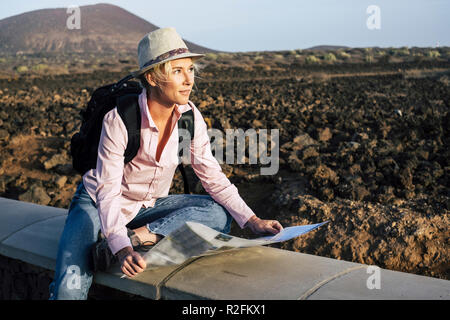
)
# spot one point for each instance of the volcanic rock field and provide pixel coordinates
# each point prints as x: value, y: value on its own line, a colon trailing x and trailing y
x: 363, y: 145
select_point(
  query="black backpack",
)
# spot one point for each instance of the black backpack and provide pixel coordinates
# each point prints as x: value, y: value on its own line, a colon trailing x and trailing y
x: 123, y: 94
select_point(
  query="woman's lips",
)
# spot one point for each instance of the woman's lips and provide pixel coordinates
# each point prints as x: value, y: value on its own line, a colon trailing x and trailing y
x: 185, y: 92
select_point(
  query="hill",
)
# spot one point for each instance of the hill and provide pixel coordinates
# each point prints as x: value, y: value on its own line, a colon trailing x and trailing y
x: 103, y: 28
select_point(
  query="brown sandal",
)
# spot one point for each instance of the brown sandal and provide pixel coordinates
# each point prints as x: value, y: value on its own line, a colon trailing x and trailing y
x: 137, y: 244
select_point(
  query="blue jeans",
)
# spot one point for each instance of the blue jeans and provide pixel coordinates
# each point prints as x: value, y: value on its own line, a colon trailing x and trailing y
x: 83, y: 224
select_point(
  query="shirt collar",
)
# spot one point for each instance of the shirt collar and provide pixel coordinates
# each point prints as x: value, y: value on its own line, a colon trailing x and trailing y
x: 178, y: 110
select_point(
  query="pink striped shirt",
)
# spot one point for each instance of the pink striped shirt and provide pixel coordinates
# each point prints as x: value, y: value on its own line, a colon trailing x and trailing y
x: 121, y: 190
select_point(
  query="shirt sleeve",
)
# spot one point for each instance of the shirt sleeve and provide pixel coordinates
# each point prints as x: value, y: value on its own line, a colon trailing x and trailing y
x: 109, y: 173
x: 209, y: 171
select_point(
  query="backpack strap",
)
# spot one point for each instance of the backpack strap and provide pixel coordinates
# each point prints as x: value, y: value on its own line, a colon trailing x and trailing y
x: 186, y: 122
x: 129, y: 111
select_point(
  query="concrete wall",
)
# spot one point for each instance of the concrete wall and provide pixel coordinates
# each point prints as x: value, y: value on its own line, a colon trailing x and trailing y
x: 23, y: 281
x: 30, y: 233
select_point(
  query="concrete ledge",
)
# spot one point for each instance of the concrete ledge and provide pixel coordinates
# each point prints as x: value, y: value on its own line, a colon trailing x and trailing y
x: 30, y: 233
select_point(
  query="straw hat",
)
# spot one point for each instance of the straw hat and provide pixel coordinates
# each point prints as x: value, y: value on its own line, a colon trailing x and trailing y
x: 160, y: 46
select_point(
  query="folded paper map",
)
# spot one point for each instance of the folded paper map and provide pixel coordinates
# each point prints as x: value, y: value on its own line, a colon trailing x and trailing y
x: 194, y: 239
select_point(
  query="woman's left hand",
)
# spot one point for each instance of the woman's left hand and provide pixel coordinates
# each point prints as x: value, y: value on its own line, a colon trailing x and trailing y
x: 260, y: 226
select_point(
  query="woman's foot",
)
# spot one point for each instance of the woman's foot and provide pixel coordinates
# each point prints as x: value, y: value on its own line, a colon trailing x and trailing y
x: 145, y: 239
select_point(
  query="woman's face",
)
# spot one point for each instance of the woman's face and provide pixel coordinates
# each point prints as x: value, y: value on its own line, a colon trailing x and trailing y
x: 177, y: 88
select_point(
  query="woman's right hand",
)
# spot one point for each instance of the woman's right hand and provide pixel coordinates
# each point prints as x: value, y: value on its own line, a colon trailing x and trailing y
x: 131, y: 262
x: 260, y: 226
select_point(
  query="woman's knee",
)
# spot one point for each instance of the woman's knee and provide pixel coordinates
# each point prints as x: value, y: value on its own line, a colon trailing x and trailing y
x: 83, y: 211
x: 221, y: 216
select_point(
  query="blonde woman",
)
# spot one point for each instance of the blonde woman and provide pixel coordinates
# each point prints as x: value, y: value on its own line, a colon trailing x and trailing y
x: 130, y: 203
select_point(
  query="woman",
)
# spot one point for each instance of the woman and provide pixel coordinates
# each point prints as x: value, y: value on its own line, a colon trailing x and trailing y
x: 130, y: 203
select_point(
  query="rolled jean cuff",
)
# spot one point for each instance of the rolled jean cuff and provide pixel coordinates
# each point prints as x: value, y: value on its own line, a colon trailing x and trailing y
x: 164, y: 234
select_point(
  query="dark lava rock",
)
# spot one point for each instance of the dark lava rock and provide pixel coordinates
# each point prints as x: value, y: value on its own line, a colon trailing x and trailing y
x: 36, y: 194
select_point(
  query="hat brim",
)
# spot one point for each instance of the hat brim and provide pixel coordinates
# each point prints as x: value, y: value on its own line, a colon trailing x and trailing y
x: 195, y: 56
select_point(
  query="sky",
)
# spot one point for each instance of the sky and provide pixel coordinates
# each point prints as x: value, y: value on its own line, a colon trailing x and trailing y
x: 259, y: 25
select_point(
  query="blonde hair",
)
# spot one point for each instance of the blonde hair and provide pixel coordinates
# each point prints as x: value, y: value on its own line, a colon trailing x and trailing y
x: 159, y: 74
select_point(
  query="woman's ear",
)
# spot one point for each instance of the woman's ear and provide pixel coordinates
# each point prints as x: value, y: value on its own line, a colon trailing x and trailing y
x: 150, y: 80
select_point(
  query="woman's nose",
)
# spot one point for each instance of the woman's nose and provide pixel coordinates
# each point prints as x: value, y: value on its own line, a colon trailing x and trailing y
x: 188, y: 78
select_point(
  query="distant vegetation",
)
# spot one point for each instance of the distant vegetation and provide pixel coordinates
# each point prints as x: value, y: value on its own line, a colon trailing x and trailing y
x: 311, y: 59
x: 66, y: 63
x: 329, y: 57
x: 433, y: 54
